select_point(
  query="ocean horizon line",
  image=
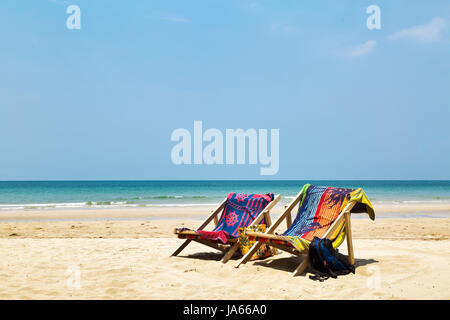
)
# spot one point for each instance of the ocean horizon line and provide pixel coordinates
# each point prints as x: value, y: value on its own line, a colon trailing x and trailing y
x: 199, y: 180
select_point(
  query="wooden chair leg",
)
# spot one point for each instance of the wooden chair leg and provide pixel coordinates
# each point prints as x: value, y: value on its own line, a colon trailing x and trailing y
x: 301, y: 267
x: 230, y: 252
x: 269, y: 222
x: 348, y: 230
x: 180, y: 248
x: 249, y: 254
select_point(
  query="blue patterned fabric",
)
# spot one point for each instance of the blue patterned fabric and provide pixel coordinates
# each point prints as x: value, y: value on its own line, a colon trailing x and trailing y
x: 240, y: 211
x: 304, y: 221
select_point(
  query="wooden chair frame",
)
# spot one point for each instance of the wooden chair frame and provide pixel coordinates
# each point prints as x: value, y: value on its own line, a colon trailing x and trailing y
x: 228, y: 250
x: 344, y: 216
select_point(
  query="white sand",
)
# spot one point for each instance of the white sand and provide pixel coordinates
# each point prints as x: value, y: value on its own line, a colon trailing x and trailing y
x: 395, y: 259
x: 142, y: 269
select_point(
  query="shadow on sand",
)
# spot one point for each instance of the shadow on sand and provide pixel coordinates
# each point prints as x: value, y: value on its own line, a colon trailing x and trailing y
x: 289, y: 264
x: 210, y: 256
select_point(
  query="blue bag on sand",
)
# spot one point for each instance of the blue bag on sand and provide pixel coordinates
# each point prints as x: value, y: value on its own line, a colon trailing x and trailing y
x: 327, y: 261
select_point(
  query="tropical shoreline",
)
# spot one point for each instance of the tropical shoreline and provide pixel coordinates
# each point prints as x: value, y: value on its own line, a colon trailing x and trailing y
x: 418, y: 210
x: 124, y: 253
x: 96, y: 195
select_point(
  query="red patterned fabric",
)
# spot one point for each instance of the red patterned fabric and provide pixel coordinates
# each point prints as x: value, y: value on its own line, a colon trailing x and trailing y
x: 215, y: 235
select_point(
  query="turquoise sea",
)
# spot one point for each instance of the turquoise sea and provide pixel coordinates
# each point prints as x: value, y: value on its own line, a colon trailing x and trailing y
x: 27, y: 195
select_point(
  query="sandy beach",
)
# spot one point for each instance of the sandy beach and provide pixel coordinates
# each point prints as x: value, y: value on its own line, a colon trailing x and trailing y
x: 125, y: 254
x: 123, y: 121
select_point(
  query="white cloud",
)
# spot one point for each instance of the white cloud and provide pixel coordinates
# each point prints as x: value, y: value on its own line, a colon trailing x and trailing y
x: 362, y: 49
x: 425, y: 33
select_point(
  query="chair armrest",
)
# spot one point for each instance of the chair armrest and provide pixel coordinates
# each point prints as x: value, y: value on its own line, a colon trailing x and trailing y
x: 265, y: 235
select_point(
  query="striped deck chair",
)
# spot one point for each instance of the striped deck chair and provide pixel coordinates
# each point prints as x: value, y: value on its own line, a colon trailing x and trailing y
x: 323, y: 212
x: 238, y: 211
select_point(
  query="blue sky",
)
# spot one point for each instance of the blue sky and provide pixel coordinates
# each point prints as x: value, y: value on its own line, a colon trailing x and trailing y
x: 101, y: 102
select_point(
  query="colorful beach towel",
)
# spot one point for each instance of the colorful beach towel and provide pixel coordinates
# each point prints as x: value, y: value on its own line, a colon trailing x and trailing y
x: 245, y: 243
x: 318, y: 209
x: 240, y: 211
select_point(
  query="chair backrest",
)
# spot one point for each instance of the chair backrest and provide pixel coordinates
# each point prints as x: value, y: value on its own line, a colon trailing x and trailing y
x: 240, y: 210
x: 318, y: 209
